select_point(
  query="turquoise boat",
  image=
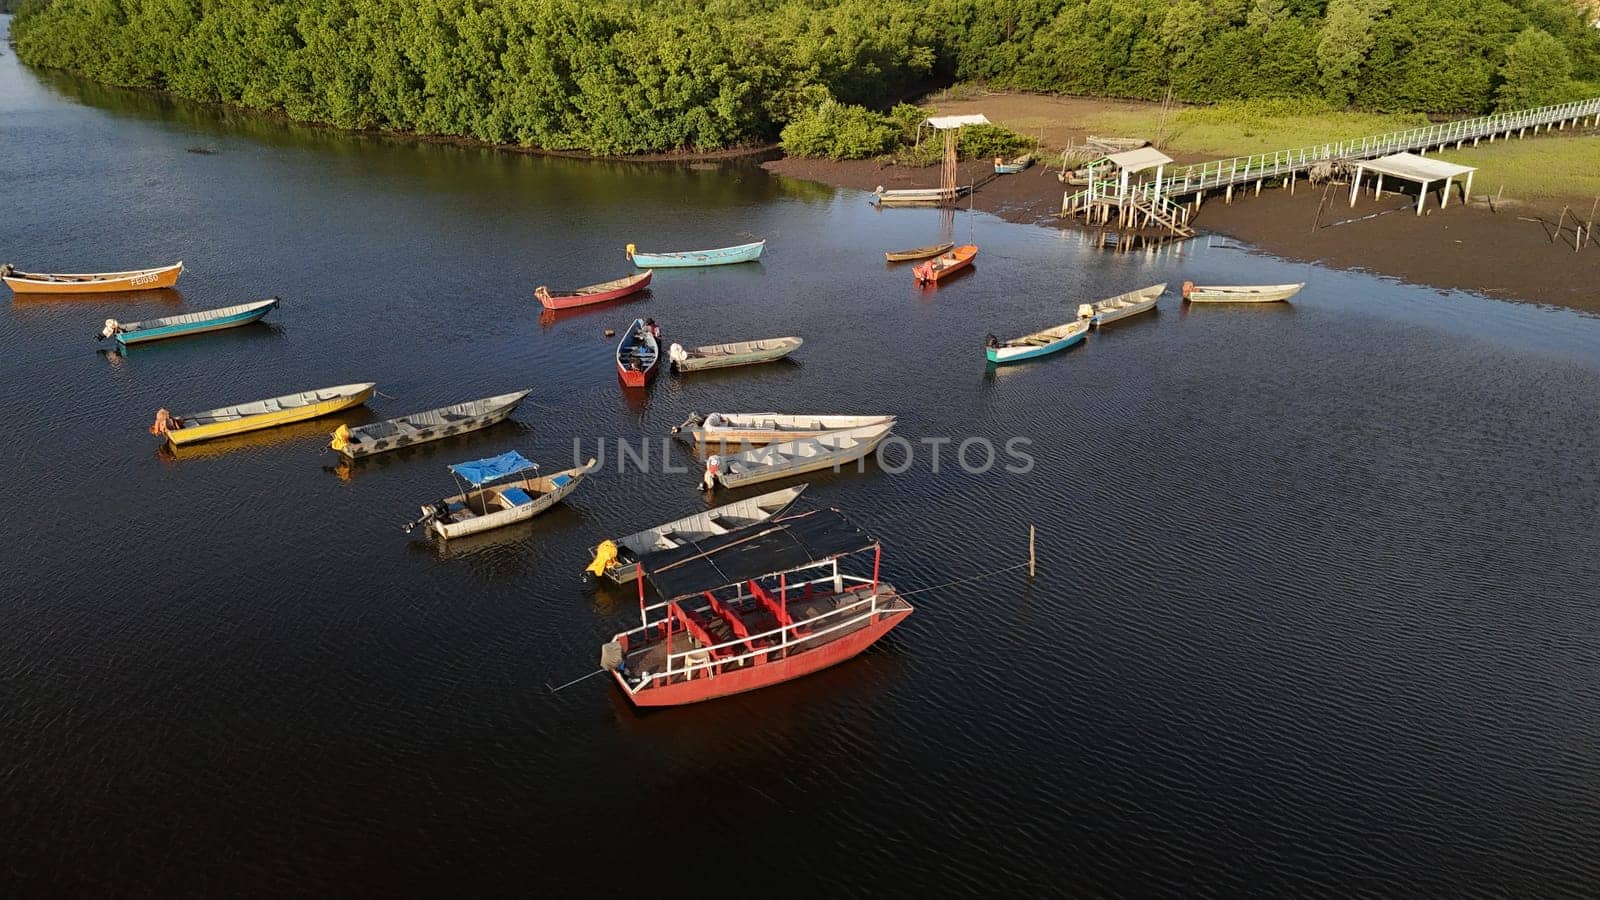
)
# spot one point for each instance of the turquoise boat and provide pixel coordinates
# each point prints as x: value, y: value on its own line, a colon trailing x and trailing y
x: 687, y: 258
x: 1037, y: 344
x: 128, y: 333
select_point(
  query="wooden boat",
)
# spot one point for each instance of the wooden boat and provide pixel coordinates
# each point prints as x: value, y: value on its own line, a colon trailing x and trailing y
x: 741, y: 353
x: 215, y: 423
x: 482, y: 508
x: 942, y: 266
x: 594, y: 293
x: 1016, y: 165
x: 1037, y: 344
x: 918, y: 252
x: 420, y: 428
x: 723, y: 430
x: 755, y: 607
x: 722, y: 256
x: 128, y: 333
x: 623, y: 567
x: 1239, y: 293
x: 829, y: 450
x: 919, y: 196
x: 1122, y: 306
x: 638, y: 355
x: 91, y: 283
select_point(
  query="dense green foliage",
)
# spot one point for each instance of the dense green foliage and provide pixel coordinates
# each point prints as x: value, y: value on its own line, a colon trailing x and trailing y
x: 627, y: 76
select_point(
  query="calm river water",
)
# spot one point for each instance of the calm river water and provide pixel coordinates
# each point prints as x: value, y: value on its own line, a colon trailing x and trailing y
x: 1316, y: 609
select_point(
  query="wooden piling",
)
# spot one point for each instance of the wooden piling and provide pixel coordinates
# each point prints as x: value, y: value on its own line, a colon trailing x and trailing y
x: 1031, y: 557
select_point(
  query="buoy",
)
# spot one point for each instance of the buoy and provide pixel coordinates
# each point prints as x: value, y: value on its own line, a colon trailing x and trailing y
x: 611, y: 332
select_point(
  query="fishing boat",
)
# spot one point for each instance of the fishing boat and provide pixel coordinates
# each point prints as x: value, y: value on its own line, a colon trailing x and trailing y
x: 1122, y: 306
x: 918, y: 196
x: 722, y: 430
x: 918, y: 252
x: 1017, y: 164
x: 128, y: 333
x: 1239, y: 293
x: 479, y: 507
x: 1037, y: 344
x: 755, y: 607
x: 619, y: 560
x: 229, y: 420
x: 741, y: 353
x: 93, y: 282
x: 683, y: 259
x: 943, y: 266
x: 829, y: 450
x: 420, y: 428
x: 594, y: 293
x: 638, y: 354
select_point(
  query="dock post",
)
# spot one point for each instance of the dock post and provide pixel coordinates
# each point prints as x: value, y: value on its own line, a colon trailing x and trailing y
x: 1355, y: 186
x: 1258, y: 187
x: 1031, y: 557
x: 1230, y: 194
x: 1377, y: 193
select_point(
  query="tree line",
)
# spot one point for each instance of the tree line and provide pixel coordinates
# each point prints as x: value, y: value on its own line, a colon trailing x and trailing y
x: 632, y: 76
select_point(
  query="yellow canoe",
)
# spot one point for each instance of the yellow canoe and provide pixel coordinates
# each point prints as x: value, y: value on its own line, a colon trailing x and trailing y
x: 91, y: 282
x: 229, y: 420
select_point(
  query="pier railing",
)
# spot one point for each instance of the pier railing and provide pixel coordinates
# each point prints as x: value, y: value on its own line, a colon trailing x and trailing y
x: 1243, y: 169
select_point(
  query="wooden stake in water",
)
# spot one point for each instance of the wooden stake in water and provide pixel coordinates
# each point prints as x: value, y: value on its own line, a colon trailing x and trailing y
x: 1031, y: 557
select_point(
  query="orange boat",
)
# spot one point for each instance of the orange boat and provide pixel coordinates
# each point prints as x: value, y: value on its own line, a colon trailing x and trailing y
x: 949, y: 263
x: 91, y: 283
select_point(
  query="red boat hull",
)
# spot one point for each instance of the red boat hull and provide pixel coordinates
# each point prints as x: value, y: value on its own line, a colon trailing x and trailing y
x: 572, y: 299
x: 751, y: 678
x: 636, y: 378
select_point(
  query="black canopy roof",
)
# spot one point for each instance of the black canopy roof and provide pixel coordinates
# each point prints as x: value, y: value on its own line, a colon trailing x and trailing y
x: 777, y: 545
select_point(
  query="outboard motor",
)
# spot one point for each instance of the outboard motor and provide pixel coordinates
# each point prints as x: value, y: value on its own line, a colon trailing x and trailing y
x: 112, y: 327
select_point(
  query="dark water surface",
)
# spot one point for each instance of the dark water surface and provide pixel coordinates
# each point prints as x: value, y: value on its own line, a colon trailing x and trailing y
x: 1316, y: 610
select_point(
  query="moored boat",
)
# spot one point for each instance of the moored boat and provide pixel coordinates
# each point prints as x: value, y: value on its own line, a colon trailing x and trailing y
x: 1037, y: 344
x: 479, y: 507
x: 420, y: 428
x: 829, y: 450
x: 594, y: 293
x: 755, y: 607
x: 945, y: 265
x: 229, y: 420
x: 918, y: 252
x: 740, y: 353
x: 1239, y: 293
x: 91, y: 282
x: 1122, y: 306
x: 918, y: 196
x: 724, y: 430
x: 683, y: 259
x: 619, y: 561
x: 638, y: 353
x: 127, y: 333
x: 1015, y: 165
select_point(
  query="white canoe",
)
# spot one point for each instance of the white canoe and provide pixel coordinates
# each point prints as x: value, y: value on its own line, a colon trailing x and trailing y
x: 1239, y: 293
x: 507, y: 503
x: 739, y: 353
x: 1123, y: 305
x: 710, y: 523
x: 420, y: 428
x: 829, y: 450
x: 729, y: 429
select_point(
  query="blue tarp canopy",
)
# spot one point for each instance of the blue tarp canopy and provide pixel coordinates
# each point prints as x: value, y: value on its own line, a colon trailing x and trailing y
x: 479, y: 471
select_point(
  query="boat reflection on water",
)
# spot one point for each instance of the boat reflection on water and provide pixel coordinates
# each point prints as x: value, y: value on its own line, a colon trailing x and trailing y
x: 163, y: 296
x: 212, y: 341
x: 549, y: 317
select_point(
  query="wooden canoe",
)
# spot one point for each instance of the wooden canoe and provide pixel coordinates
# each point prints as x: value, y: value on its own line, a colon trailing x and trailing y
x: 1037, y: 344
x: 723, y: 430
x: 495, y: 506
x: 918, y: 252
x: 1122, y: 306
x: 699, y: 526
x: 229, y: 420
x: 740, y: 353
x: 683, y: 259
x: 638, y: 355
x: 1016, y: 165
x: 594, y: 293
x: 830, y: 450
x: 918, y: 196
x: 942, y: 266
x: 420, y: 428
x: 1239, y: 293
x: 91, y: 283
x: 128, y: 333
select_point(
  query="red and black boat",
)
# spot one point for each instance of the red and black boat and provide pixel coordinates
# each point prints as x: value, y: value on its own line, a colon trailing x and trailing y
x: 753, y: 607
x: 638, y: 354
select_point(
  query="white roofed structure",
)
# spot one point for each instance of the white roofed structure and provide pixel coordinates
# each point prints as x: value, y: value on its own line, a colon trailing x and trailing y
x: 1135, y: 161
x: 943, y: 122
x: 1417, y: 169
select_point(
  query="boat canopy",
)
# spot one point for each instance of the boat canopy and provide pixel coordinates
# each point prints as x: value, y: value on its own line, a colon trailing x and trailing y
x: 765, y: 548
x: 479, y: 471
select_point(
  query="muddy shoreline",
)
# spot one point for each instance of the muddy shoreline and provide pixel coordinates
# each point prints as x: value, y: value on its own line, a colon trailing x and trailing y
x: 1503, y: 250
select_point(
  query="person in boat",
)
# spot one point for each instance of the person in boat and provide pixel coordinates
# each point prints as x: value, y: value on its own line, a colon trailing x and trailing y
x: 991, y: 341
x: 713, y: 467
x: 165, y: 422
x: 651, y: 327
